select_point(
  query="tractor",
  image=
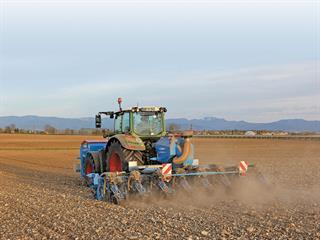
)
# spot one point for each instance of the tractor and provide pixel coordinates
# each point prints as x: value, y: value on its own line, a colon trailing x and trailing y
x: 140, y: 157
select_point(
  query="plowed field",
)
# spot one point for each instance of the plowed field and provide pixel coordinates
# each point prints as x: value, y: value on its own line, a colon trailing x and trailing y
x: 42, y: 198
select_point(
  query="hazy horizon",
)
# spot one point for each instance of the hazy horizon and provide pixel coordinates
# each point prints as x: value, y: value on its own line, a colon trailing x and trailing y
x: 257, y: 61
x: 172, y: 118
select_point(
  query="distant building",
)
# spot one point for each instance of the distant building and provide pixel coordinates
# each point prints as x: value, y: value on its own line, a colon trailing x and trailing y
x: 250, y: 133
x: 283, y: 133
x: 268, y: 134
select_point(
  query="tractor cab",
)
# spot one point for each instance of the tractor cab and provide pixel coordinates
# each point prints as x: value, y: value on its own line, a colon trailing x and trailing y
x: 143, y: 122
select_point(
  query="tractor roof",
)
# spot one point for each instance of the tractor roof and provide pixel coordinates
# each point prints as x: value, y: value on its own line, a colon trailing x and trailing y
x: 148, y: 109
x: 144, y: 109
x: 138, y: 109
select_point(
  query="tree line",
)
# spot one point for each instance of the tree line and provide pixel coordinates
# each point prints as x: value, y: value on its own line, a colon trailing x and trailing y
x: 171, y: 128
x: 48, y: 129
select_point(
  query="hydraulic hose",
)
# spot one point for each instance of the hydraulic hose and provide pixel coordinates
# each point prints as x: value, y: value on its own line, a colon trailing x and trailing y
x: 185, y: 153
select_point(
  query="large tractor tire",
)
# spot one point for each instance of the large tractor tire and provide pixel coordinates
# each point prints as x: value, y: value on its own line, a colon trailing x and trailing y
x: 117, y: 157
x: 92, y: 164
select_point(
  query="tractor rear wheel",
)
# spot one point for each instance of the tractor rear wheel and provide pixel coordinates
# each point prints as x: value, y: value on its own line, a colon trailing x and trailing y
x: 117, y: 158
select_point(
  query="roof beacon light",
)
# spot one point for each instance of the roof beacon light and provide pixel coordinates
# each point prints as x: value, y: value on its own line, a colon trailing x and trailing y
x: 119, y: 102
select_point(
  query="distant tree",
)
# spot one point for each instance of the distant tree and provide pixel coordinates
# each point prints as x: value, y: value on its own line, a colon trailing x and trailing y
x: 84, y: 131
x: 49, y: 129
x: 11, y: 129
x: 7, y: 129
x: 96, y: 132
x: 67, y: 131
x: 174, y: 127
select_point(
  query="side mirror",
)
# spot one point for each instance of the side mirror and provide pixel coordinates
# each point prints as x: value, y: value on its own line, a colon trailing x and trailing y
x: 98, y: 121
x: 112, y: 116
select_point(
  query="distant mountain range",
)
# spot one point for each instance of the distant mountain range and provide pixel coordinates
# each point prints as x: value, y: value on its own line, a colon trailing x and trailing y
x: 212, y: 123
x: 208, y: 123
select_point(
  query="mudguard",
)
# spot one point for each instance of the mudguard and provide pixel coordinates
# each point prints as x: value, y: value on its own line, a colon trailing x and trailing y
x: 128, y: 141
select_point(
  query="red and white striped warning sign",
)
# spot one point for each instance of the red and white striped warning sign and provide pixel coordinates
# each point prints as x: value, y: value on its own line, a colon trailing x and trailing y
x: 243, y: 167
x: 166, y: 171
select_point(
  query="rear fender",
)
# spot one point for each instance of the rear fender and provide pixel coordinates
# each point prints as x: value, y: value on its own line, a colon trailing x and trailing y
x: 127, y: 141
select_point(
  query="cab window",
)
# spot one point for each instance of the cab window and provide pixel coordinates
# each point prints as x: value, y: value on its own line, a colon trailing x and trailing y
x: 126, y: 122
x: 117, y: 124
x: 122, y: 123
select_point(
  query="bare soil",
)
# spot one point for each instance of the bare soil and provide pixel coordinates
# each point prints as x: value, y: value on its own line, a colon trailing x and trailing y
x: 41, y: 197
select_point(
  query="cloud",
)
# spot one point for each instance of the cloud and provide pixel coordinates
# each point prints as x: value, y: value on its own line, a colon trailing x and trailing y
x: 289, y: 90
x: 261, y: 93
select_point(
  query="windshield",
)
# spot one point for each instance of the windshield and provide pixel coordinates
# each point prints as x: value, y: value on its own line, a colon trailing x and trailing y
x: 147, y: 123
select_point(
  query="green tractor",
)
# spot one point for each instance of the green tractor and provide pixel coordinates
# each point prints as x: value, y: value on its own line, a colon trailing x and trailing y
x: 140, y: 156
x: 136, y: 131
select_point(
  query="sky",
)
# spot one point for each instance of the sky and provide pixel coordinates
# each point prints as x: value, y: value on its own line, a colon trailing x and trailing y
x: 253, y: 60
